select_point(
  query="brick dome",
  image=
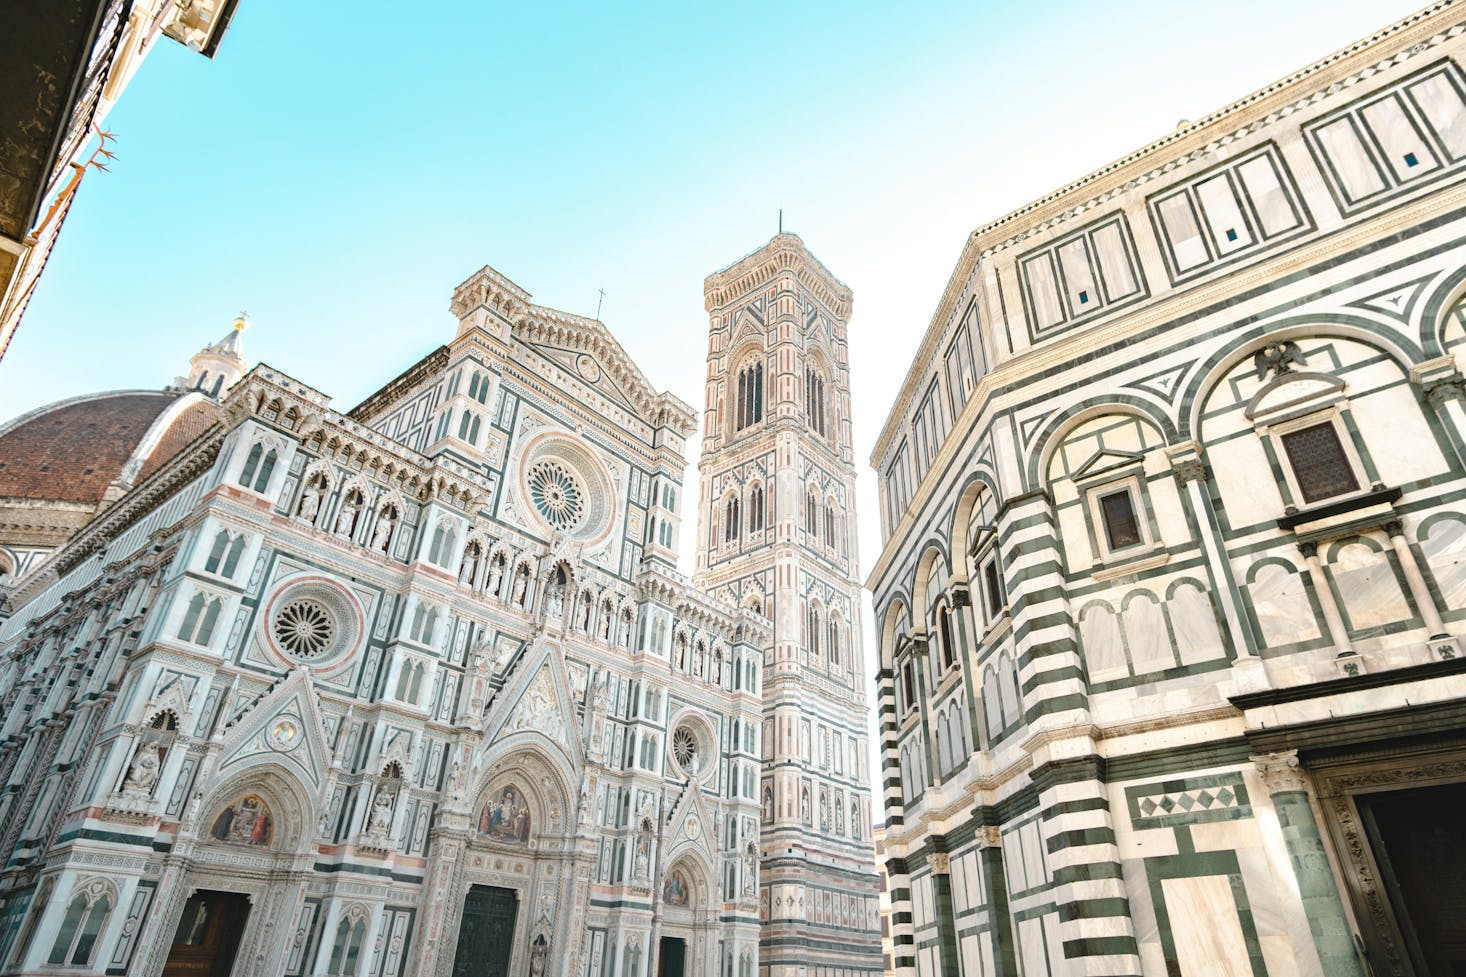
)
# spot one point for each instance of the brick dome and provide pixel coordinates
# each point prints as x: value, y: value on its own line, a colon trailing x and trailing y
x: 73, y: 450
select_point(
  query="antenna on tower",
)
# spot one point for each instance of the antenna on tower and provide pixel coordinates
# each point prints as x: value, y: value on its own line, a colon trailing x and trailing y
x: 781, y: 220
x: 602, y: 293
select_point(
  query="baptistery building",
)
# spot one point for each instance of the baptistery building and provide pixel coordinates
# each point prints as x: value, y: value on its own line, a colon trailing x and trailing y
x: 1172, y: 596
x: 409, y: 689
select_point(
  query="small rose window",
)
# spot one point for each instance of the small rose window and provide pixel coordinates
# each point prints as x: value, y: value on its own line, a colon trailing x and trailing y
x: 557, y: 494
x: 305, y: 628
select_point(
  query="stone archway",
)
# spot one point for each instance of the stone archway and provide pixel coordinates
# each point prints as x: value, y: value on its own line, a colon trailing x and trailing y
x: 235, y: 879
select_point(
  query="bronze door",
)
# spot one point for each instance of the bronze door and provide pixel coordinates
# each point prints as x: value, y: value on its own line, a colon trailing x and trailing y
x: 486, y: 933
x: 672, y: 957
x: 208, y: 935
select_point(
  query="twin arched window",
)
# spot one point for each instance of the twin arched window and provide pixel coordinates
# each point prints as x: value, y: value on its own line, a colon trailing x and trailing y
x: 224, y: 557
x: 756, y: 508
x: 86, y: 914
x: 732, y: 519
x: 750, y: 408
x: 346, y: 954
x: 814, y: 400
x: 200, y: 619
x: 259, y: 465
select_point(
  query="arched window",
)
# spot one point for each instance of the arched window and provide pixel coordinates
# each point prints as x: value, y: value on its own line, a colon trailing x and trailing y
x: 200, y: 619
x: 444, y: 539
x: 834, y: 643
x: 731, y: 519
x: 251, y: 464
x: 830, y: 524
x: 206, y: 626
x: 267, y: 468
x: 812, y: 514
x: 216, y: 553
x: 86, y: 914
x: 814, y: 400
x: 750, y: 403
x: 756, y: 508
x: 231, y: 562
x: 346, y: 954
x: 812, y: 631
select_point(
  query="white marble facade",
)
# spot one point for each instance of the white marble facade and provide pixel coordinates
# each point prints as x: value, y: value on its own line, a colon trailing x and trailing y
x: 328, y: 684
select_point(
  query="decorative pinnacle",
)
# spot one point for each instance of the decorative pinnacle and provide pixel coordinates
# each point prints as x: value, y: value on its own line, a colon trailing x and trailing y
x: 241, y: 321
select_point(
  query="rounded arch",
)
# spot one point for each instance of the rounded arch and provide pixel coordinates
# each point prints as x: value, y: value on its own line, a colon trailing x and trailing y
x: 933, y: 550
x: 980, y: 483
x: 290, y: 806
x: 540, y: 778
x: 697, y: 875
x: 1215, y: 367
x: 1047, y: 441
x: 1446, y: 294
x: 895, y: 619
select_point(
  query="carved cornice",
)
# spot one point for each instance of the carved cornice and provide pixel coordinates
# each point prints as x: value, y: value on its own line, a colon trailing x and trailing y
x: 784, y: 252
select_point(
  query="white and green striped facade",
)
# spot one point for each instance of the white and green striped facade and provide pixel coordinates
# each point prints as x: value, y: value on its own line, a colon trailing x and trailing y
x: 1170, y: 608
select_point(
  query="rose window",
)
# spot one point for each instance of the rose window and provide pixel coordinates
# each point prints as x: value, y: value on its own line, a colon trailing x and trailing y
x: 304, y: 628
x: 684, y: 749
x: 557, y: 494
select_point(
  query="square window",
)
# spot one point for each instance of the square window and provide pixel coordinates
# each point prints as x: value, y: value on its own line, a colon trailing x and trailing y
x: 1231, y: 234
x: 1319, y: 462
x: 1411, y: 159
x: 1083, y: 296
x: 993, y: 589
x: 1122, y: 525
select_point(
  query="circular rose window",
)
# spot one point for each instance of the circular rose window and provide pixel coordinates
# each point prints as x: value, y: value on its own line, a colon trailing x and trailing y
x: 313, y: 622
x: 304, y: 628
x: 557, y: 494
x: 686, y: 750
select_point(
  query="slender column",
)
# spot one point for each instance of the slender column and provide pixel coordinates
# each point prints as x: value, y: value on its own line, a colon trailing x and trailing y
x: 995, y: 897
x: 1335, y: 620
x: 1193, y: 477
x: 941, y: 866
x: 1333, y: 936
x: 1418, y: 589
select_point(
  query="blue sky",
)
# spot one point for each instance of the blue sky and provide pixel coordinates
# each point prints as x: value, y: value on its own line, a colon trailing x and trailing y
x: 338, y: 168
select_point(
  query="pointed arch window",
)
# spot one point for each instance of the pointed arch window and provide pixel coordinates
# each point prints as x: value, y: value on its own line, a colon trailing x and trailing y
x: 86, y: 914
x: 200, y: 620
x: 814, y: 400
x: 812, y: 631
x: 834, y: 643
x: 750, y: 403
x: 259, y: 465
x: 216, y: 553
x: 731, y: 519
x: 756, y: 508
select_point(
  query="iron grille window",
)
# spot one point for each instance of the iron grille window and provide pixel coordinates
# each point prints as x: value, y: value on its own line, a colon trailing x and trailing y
x: 1319, y: 462
x: 1122, y: 528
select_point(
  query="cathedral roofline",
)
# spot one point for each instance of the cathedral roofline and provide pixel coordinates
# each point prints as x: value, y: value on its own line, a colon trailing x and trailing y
x: 388, y: 394
x: 785, y: 251
x: 1076, y: 200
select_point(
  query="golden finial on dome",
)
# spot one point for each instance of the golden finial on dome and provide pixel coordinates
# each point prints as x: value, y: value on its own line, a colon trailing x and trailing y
x: 241, y: 321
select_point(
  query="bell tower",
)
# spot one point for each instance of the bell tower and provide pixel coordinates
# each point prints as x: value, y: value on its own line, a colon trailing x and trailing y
x: 776, y: 532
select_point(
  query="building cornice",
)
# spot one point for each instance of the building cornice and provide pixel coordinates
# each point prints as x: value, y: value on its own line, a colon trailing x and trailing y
x: 784, y: 252
x: 1408, y: 38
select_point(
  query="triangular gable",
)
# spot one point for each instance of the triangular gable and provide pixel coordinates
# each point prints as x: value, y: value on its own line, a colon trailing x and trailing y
x: 690, y: 827
x: 285, y: 727
x: 537, y: 699
x: 587, y: 369
x: 749, y: 328
x: 1106, y: 458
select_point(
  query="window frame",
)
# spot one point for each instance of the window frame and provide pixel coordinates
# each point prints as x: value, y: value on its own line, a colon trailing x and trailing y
x: 1132, y: 479
x: 1332, y: 414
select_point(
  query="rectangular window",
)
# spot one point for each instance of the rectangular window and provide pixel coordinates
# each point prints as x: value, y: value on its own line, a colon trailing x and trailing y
x: 1319, y: 463
x: 1394, y: 139
x: 1090, y: 270
x: 993, y: 589
x: 1230, y: 210
x: 961, y: 377
x: 1122, y: 526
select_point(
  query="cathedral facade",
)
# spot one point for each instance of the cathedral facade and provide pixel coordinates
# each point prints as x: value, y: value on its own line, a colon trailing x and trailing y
x: 1173, y: 591
x: 416, y: 689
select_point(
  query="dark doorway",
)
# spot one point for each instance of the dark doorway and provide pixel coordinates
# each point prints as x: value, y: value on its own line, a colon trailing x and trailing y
x: 208, y: 935
x: 1419, y: 840
x: 672, y: 957
x: 486, y: 933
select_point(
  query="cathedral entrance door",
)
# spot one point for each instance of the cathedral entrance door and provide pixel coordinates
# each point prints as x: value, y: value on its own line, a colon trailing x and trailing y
x: 1419, y: 841
x: 486, y: 933
x: 208, y: 935
x: 671, y: 959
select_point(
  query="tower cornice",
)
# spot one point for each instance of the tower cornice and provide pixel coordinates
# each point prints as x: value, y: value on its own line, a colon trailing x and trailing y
x: 784, y: 252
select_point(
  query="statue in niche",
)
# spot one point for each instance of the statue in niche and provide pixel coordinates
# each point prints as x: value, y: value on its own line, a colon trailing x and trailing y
x: 381, y: 821
x: 496, y: 574
x: 555, y: 594
x: 750, y: 870
x: 804, y: 804
x: 310, y: 504
x: 643, y: 857
x: 768, y: 802
x: 606, y: 624
x: 521, y: 585
x: 346, y: 518
x: 382, y: 534
x: 538, y: 955
x: 143, y: 774
x: 585, y: 612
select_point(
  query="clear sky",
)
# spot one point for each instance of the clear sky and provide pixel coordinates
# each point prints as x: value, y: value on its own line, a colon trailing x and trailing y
x: 338, y: 168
